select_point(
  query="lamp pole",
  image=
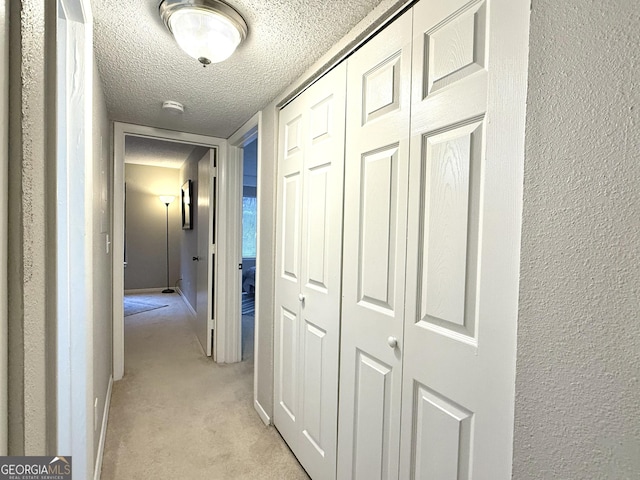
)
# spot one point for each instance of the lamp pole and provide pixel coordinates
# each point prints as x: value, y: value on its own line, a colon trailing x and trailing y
x: 167, y: 199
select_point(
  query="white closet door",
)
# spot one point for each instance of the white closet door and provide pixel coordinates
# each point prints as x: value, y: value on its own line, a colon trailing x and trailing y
x: 464, y: 238
x: 289, y: 271
x: 310, y: 196
x: 376, y: 177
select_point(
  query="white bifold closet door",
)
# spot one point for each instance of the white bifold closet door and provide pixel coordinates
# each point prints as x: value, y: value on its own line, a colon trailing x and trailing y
x: 376, y: 178
x: 308, y: 260
x: 428, y: 371
x: 467, y: 133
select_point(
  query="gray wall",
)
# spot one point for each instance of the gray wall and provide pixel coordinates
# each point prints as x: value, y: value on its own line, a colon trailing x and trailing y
x: 102, y: 268
x: 145, y: 220
x: 577, y: 389
x: 189, y: 238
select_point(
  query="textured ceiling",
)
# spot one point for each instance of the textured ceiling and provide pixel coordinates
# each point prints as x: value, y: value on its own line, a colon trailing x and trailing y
x: 141, y: 65
x: 158, y: 153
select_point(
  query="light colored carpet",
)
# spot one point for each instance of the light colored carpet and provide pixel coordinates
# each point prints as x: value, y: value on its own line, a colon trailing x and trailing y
x: 133, y: 306
x: 178, y: 415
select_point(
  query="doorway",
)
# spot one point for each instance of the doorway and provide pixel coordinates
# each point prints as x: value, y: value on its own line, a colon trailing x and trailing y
x: 200, y: 146
x: 249, y: 245
x: 238, y: 143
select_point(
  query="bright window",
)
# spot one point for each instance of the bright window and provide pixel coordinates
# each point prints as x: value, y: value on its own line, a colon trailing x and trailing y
x: 249, y: 227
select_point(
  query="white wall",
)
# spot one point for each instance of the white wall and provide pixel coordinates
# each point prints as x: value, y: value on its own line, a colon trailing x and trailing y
x: 102, y: 271
x: 578, y: 368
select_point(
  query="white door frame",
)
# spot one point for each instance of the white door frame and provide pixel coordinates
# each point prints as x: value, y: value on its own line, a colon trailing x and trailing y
x: 4, y: 225
x: 121, y: 130
x: 232, y: 216
x: 74, y: 234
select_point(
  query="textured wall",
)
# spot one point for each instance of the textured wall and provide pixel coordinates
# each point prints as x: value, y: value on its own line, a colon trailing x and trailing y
x: 189, y: 238
x: 31, y: 222
x: 4, y: 163
x: 146, y: 226
x: 265, y: 267
x: 102, y: 268
x: 577, y: 390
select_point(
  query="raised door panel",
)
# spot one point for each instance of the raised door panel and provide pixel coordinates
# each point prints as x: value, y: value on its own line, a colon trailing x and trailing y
x: 290, y: 228
x: 318, y: 243
x: 287, y: 380
x: 450, y: 199
x: 441, y: 437
x: 378, y: 217
x: 315, y: 350
x: 463, y: 239
x: 376, y: 176
x: 371, y: 448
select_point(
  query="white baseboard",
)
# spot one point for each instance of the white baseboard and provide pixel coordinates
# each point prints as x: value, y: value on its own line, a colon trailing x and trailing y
x: 103, y: 431
x: 261, y: 412
x: 186, y: 302
x: 144, y: 290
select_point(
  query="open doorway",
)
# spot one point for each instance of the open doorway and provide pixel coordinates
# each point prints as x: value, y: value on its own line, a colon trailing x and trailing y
x: 243, y: 329
x: 249, y: 245
x: 173, y: 266
x: 169, y: 211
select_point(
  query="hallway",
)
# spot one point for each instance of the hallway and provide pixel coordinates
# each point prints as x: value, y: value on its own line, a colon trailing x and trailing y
x: 176, y: 414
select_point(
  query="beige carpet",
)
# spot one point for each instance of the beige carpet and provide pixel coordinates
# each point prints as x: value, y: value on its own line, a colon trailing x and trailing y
x: 178, y: 415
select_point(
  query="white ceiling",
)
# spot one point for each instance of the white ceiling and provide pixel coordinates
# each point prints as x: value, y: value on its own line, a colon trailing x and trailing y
x: 141, y: 65
x: 159, y: 153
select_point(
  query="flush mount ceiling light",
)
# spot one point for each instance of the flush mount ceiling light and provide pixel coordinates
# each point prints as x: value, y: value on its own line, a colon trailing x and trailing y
x: 207, y: 30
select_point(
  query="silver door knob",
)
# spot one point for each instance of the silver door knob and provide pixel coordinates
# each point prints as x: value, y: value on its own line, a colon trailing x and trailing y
x: 301, y: 297
x: 392, y: 342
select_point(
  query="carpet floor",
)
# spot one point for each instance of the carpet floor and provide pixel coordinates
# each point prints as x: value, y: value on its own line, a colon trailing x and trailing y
x: 178, y: 415
x: 132, y: 306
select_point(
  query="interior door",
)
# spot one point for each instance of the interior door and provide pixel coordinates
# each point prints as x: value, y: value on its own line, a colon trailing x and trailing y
x: 308, y: 259
x: 464, y: 238
x: 375, y: 216
x: 205, y: 259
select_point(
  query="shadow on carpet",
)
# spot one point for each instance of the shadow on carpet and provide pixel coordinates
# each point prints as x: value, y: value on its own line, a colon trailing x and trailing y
x: 133, y: 307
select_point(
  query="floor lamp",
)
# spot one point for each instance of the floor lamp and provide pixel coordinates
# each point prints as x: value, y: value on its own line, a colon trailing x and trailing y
x: 167, y: 199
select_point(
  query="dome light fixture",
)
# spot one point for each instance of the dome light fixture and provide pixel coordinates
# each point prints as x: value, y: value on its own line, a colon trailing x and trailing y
x: 207, y: 30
